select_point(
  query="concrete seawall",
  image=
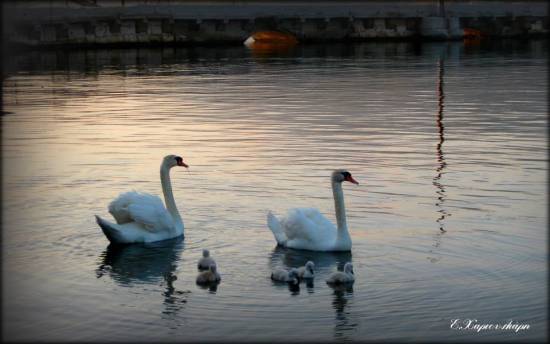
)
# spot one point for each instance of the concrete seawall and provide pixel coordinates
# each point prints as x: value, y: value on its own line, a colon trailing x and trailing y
x: 185, y: 22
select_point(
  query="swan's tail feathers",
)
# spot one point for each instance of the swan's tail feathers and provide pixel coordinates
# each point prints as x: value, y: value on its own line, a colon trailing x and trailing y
x: 275, y: 225
x: 109, y: 230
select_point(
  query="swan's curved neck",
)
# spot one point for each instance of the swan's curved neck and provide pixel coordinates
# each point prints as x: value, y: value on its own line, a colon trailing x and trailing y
x: 168, y: 194
x: 339, y: 206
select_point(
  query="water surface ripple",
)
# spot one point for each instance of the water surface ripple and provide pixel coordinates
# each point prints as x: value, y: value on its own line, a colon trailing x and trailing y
x: 448, y: 141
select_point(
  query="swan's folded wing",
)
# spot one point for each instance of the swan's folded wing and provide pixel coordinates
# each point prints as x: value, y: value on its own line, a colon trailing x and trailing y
x: 119, y: 207
x: 320, y: 221
x: 298, y: 224
x: 149, y: 211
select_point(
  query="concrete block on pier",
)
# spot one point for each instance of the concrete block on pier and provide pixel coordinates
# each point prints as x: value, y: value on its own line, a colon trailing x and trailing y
x: 181, y: 31
x: 101, y: 29
x: 380, y: 24
x: 128, y: 31
x: 155, y: 27
x: 48, y: 33
x: 77, y: 33
x: 536, y: 27
x: 434, y: 27
x: 154, y: 30
x: 381, y: 27
x: 455, y: 31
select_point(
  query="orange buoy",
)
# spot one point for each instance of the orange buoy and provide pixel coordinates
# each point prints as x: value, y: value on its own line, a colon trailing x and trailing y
x: 265, y: 43
x: 274, y: 37
x: 473, y: 33
x: 271, y: 37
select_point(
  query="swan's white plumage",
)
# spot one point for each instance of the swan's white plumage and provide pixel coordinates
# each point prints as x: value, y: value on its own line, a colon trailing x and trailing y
x: 142, y: 217
x: 275, y: 225
x: 307, y: 224
x: 308, y: 229
x: 144, y: 209
x: 304, y: 228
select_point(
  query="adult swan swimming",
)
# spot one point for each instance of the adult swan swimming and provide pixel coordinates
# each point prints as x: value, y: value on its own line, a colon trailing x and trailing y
x: 142, y: 217
x: 308, y: 229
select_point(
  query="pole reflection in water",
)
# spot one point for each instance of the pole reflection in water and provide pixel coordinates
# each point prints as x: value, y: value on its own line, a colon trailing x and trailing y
x: 442, y: 164
x: 440, y: 157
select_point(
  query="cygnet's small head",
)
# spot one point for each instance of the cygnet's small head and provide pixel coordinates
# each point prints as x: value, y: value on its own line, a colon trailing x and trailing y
x: 293, y: 275
x: 310, y: 266
x: 212, y: 267
x: 205, y: 253
x: 348, y: 268
x: 339, y: 176
x: 173, y: 160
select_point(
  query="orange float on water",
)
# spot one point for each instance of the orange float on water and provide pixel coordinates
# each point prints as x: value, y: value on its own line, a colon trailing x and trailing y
x: 265, y: 39
x: 473, y: 33
x: 473, y: 37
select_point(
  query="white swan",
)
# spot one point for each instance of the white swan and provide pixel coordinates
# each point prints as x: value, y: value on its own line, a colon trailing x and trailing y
x: 205, y: 261
x: 308, y: 229
x: 306, y: 271
x: 142, y: 217
x: 339, y: 277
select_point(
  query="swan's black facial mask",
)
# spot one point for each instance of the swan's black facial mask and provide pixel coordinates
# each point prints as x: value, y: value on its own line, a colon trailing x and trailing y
x: 348, y: 178
x: 180, y: 162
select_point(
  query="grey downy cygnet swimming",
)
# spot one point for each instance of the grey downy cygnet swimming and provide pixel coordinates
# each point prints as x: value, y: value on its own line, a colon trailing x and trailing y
x: 342, y: 277
x: 306, y: 271
x: 205, y: 261
x: 282, y: 275
x: 209, y: 276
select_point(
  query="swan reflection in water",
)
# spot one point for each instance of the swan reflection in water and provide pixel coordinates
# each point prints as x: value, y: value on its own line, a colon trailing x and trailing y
x: 152, y: 263
x: 212, y: 287
x: 325, y: 263
x: 291, y: 258
x: 343, y: 322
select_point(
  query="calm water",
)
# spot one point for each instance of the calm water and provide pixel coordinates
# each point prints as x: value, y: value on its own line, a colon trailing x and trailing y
x: 448, y: 141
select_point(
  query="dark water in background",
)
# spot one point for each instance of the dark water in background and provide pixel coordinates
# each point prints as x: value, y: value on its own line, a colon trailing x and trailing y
x: 448, y: 141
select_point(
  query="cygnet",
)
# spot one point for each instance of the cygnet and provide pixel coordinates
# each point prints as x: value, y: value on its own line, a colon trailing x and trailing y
x: 209, y: 276
x: 306, y: 271
x: 283, y: 275
x: 205, y: 261
x: 345, y: 277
